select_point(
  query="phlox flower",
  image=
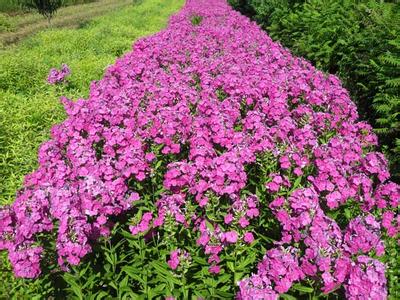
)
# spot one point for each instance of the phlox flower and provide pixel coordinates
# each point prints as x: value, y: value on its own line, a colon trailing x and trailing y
x: 58, y: 76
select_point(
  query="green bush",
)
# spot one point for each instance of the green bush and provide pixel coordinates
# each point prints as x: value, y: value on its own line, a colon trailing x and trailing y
x: 9, y: 5
x: 387, y: 102
x: 47, y: 8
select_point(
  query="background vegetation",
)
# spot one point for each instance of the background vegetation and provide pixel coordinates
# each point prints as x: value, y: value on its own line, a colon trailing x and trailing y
x: 29, y: 106
x: 357, y: 40
x: 17, y: 26
x: 13, y: 6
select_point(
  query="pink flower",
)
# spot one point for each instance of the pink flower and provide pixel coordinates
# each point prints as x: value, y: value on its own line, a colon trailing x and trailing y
x: 231, y: 237
x: 253, y: 213
x: 279, y: 266
x: 214, y: 269
x: 173, y: 261
x: 208, y: 118
x: 285, y: 162
x: 248, y: 237
x: 278, y: 202
x: 177, y: 257
x: 150, y: 156
x: 228, y: 218
x: 333, y: 199
x: 203, y: 239
x: 56, y: 76
x: 143, y: 225
x: 134, y: 197
x: 367, y: 277
x: 243, y: 222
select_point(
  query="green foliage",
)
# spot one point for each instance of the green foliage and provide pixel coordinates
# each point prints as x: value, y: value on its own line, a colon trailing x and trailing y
x: 23, y: 127
x: 9, y: 5
x: 15, y: 5
x: 5, y: 23
x: 392, y: 259
x: 129, y: 267
x: 29, y: 106
x: 196, y: 20
x: 387, y: 102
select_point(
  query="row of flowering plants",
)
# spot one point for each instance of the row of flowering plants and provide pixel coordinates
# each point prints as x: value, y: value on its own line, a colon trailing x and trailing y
x: 207, y: 163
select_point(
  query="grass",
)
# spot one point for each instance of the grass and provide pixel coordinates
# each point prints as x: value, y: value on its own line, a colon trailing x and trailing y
x: 12, y: 6
x: 16, y: 27
x: 29, y: 106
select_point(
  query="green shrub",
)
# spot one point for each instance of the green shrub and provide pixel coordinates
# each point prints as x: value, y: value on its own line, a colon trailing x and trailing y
x: 47, y: 8
x: 387, y: 102
x: 9, y: 5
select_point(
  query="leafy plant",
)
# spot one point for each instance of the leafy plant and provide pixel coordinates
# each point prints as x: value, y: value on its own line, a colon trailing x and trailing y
x: 387, y: 102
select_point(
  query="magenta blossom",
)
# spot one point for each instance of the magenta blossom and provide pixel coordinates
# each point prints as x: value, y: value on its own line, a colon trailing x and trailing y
x: 179, y: 134
x: 177, y: 257
x: 58, y: 76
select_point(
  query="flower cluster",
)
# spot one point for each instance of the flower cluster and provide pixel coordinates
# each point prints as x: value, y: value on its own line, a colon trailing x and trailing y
x: 202, y: 103
x: 178, y: 257
x: 362, y: 236
x: 276, y: 274
x: 58, y: 76
x: 328, y: 252
x: 367, y: 278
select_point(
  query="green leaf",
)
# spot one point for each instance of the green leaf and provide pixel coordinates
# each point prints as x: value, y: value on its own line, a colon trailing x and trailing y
x: 288, y: 297
x: 297, y: 182
x: 225, y: 295
x: 210, y: 226
x: 249, y: 260
x: 73, y: 285
x: 303, y: 288
x: 224, y: 278
x: 201, y: 261
x: 100, y: 295
x: 231, y: 266
x: 164, y: 269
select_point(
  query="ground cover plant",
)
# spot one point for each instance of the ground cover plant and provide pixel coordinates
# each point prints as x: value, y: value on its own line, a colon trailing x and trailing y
x: 207, y: 163
x: 29, y: 106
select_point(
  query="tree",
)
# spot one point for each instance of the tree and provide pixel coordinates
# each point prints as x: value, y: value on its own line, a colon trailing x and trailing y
x: 47, y: 8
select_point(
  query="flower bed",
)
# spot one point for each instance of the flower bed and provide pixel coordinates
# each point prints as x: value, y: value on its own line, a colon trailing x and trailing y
x: 248, y: 148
